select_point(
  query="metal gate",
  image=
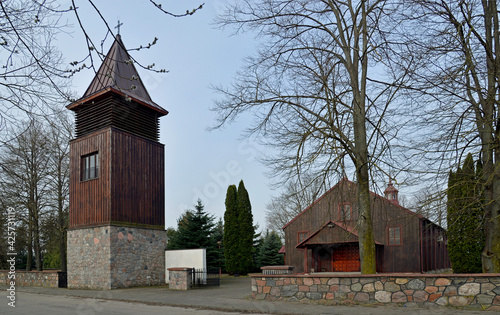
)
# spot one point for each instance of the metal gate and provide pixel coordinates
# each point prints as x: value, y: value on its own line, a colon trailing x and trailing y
x: 208, y: 277
x: 62, y: 279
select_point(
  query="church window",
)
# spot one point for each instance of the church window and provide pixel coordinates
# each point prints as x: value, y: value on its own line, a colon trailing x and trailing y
x: 301, y: 236
x: 345, y: 212
x: 394, y: 234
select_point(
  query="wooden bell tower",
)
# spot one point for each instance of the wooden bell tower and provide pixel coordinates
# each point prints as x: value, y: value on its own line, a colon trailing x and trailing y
x: 116, y: 234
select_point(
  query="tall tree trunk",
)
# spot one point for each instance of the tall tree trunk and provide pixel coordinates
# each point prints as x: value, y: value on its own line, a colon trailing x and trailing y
x: 358, y: 82
x: 36, y: 244
x: 365, y: 225
x: 490, y: 139
x: 62, y: 240
x: 60, y: 216
x: 491, y: 253
x: 366, y: 239
x: 62, y: 251
x: 29, y: 254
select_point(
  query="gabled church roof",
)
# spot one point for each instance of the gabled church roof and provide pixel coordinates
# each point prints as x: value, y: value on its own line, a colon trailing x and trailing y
x: 118, y: 73
x: 344, y: 181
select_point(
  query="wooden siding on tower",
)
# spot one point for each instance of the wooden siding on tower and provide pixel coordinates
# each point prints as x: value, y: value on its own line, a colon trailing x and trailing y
x: 138, y: 180
x: 90, y: 201
x: 130, y: 186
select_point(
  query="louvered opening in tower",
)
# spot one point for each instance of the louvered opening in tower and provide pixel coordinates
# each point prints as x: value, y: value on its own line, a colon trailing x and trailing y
x: 114, y: 111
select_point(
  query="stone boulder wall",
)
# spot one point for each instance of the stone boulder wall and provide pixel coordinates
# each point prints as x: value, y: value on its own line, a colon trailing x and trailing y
x: 46, y: 278
x: 471, y: 291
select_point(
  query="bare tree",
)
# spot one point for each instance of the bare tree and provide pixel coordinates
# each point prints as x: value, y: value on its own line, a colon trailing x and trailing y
x: 24, y: 165
x: 431, y: 203
x: 455, y: 65
x: 297, y: 196
x: 60, y: 127
x: 310, y: 92
x: 34, y: 169
x: 31, y: 68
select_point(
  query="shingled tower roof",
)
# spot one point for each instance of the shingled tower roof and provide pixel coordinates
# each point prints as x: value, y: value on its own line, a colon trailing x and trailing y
x: 118, y: 73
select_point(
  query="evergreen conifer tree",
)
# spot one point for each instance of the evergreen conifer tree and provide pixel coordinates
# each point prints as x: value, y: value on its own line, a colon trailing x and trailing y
x: 465, y: 222
x: 238, y: 231
x: 269, y: 251
x: 195, y: 229
x: 256, y: 248
x: 181, y: 238
x: 219, y: 239
x: 246, y: 231
x: 231, y: 231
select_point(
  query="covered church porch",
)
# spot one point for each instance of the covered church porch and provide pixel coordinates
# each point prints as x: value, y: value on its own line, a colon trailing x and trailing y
x: 335, y: 248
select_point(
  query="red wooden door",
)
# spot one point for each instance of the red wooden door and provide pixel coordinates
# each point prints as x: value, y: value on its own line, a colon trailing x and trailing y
x: 346, y: 259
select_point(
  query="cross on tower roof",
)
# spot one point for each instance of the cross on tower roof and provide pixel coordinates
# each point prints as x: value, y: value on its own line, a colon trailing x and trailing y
x: 118, y: 26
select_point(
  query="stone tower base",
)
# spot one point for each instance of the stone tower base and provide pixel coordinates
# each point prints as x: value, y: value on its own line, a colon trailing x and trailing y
x: 112, y: 257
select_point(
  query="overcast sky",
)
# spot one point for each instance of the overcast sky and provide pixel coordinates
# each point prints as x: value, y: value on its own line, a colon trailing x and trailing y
x: 199, y: 163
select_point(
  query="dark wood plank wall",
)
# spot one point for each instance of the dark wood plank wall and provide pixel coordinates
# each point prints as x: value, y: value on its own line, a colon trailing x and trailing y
x: 434, y: 251
x: 397, y: 258
x: 130, y: 186
x: 90, y: 202
x: 138, y: 180
x: 405, y: 258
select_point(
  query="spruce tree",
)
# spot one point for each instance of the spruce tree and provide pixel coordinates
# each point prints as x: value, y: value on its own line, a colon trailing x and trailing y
x: 195, y: 229
x: 181, y: 239
x: 269, y: 251
x: 245, y: 220
x: 218, y: 237
x: 258, y: 239
x: 231, y: 231
x: 465, y: 222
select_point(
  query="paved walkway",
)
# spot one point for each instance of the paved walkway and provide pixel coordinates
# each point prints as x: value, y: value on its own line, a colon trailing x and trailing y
x: 233, y: 295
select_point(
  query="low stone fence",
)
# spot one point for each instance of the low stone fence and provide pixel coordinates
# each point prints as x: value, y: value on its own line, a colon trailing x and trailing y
x: 46, y: 278
x: 471, y: 291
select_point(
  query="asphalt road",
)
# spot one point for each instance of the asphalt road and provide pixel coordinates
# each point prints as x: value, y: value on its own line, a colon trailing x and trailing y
x: 41, y: 304
x: 232, y: 297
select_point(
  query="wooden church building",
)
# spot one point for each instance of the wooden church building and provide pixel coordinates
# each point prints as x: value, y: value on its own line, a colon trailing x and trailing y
x: 116, y: 234
x: 324, y: 237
